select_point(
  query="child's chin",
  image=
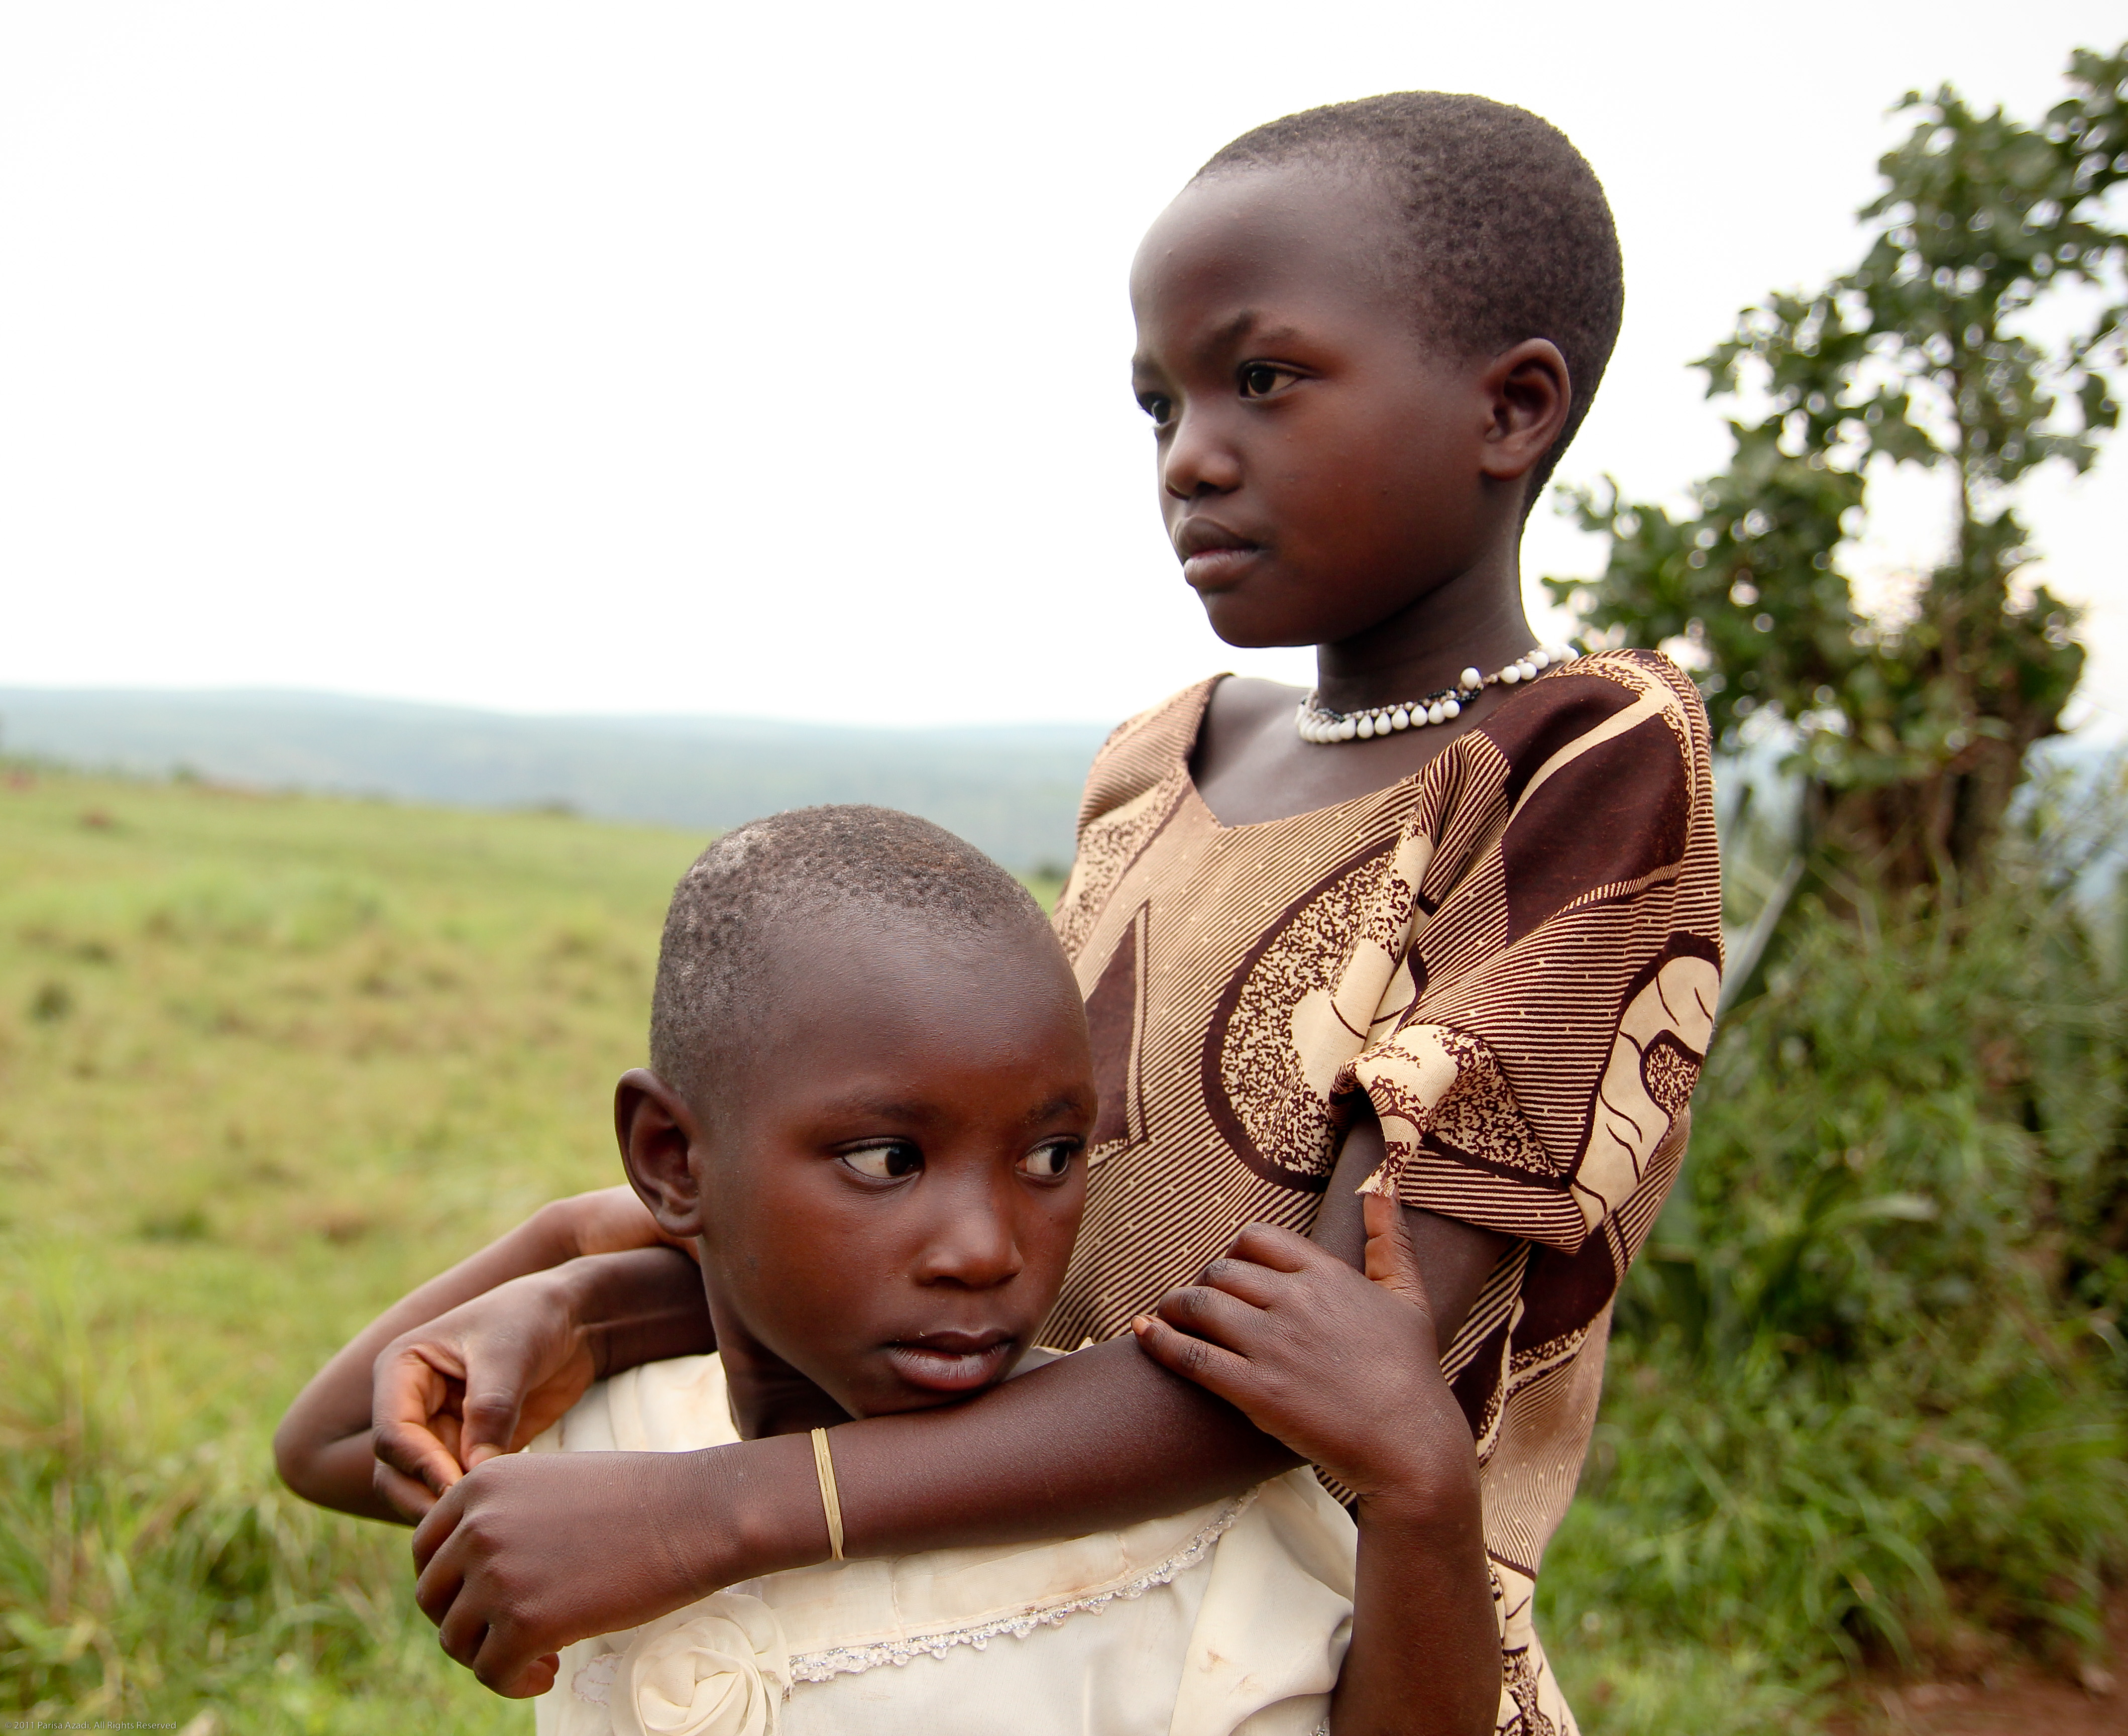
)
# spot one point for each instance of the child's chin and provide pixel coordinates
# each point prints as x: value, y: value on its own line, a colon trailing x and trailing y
x: 907, y: 1402
x: 1246, y: 628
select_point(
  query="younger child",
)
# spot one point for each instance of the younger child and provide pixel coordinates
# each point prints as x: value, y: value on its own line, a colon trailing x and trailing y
x: 868, y: 1111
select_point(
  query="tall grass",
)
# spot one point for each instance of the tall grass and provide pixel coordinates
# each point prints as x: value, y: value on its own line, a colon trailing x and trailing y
x: 263, y: 1064
x: 150, y: 1569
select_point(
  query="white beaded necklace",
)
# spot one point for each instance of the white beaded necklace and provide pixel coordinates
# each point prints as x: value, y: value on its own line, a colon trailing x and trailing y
x: 1316, y: 723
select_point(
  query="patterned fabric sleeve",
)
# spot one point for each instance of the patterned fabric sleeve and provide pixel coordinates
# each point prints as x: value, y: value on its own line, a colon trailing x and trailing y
x: 1547, y: 955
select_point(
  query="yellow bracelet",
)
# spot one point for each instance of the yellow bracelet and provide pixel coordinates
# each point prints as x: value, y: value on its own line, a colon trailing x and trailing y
x: 831, y: 1501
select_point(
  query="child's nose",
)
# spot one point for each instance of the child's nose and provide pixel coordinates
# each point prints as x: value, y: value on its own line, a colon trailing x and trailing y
x: 975, y: 1249
x: 1197, y: 461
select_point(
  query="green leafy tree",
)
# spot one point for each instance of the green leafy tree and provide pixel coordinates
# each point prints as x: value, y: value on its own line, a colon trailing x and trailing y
x: 1910, y: 732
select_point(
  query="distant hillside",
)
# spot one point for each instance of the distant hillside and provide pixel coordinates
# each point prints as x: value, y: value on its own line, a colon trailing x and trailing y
x: 1012, y: 790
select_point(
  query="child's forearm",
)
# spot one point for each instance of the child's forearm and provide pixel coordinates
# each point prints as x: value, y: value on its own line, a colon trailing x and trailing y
x: 1096, y: 1441
x: 323, y: 1447
x: 1425, y: 1653
x: 1099, y: 1439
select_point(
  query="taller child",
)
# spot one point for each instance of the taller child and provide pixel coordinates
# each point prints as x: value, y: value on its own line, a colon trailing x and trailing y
x: 1470, y: 962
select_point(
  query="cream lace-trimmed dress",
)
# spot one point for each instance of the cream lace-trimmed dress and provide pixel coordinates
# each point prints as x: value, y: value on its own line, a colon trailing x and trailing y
x: 1230, y: 1620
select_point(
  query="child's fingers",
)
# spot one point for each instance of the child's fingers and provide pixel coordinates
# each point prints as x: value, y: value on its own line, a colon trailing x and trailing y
x: 494, y: 1665
x: 1390, y: 1262
x: 436, y: 1594
x: 412, y: 1451
x: 1213, y: 1315
x: 408, y: 1496
x: 1260, y: 1286
x: 462, y: 1633
x: 417, y: 1430
x: 436, y: 1529
x: 537, y: 1677
x: 443, y: 1424
x: 411, y: 1431
x: 494, y: 1398
x: 1216, y: 1370
x: 419, y: 1371
x: 1281, y: 1250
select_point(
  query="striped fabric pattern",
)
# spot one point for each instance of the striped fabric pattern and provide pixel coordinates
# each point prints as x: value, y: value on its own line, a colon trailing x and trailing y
x: 1513, y: 956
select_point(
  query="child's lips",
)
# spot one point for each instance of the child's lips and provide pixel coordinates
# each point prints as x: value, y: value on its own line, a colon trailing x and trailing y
x: 951, y: 1362
x: 1214, y: 569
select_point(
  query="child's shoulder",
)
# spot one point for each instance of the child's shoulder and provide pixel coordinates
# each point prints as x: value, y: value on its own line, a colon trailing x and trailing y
x: 1611, y: 717
x: 1145, y: 750
x: 1598, y: 686
x: 1166, y: 730
x: 1652, y: 674
x: 1608, y: 716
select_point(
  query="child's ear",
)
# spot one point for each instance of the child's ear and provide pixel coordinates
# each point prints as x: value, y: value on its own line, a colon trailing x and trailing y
x: 1532, y: 392
x: 657, y: 1131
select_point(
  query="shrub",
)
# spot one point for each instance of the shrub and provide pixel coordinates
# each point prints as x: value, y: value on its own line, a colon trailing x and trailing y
x: 1867, y: 1397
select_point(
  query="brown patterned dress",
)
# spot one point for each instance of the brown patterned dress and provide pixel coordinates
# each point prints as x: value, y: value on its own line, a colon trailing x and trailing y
x: 1514, y: 954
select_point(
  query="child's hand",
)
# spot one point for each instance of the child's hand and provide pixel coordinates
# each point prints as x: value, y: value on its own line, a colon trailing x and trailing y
x: 533, y: 1553
x: 485, y: 1377
x: 528, y: 1553
x: 536, y: 1551
x: 1343, y: 1368
x: 481, y: 1379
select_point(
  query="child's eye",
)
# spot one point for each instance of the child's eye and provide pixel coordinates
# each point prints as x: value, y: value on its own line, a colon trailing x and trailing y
x: 888, y: 1161
x: 1259, y: 379
x: 1050, y: 1163
x: 1159, y: 408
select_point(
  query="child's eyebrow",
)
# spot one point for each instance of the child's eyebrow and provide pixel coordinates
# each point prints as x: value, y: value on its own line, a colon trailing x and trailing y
x: 881, y: 1109
x: 1245, y: 327
x: 1064, y: 1104
x: 912, y: 1113
x: 1235, y: 330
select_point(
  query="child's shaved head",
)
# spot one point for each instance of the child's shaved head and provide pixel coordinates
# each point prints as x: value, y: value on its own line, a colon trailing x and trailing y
x: 760, y: 878
x: 1506, y: 232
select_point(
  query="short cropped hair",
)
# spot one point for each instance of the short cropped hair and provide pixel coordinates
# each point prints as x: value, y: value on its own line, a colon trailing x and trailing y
x: 761, y: 877
x: 1507, y: 235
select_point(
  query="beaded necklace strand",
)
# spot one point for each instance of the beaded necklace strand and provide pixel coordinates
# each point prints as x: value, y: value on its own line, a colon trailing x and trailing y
x: 1317, y: 723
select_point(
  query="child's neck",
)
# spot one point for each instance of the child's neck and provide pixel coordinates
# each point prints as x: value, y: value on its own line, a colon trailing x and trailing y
x: 1474, y: 620
x: 768, y: 1397
x: 1251, y: 766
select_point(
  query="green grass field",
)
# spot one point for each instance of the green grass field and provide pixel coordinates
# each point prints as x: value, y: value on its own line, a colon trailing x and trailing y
x: 264, y: 1062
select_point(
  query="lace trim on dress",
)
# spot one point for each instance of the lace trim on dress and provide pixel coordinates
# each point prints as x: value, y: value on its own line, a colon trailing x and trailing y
x: 1052, y: 1613
x: 594, y: 1682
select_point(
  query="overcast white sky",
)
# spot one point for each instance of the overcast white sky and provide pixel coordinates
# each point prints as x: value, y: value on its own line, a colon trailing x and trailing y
x: 772, y: 359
